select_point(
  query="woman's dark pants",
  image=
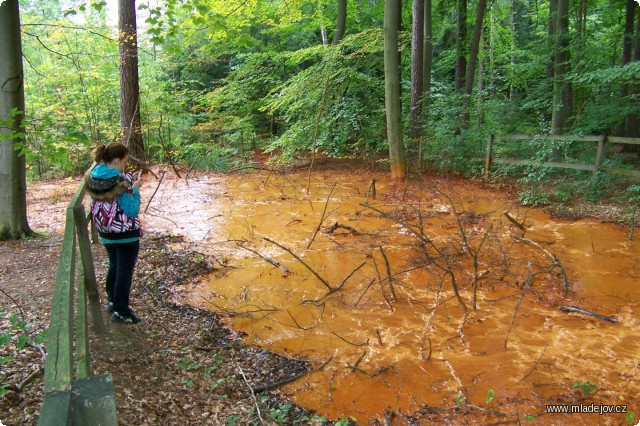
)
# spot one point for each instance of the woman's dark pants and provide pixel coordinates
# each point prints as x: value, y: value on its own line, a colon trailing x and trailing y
x: 122, y: 260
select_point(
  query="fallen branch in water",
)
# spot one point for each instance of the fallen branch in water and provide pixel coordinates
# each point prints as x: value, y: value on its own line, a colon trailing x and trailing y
x: 336, y: 225
x: 386, y: 262
x: 351, y: 343
x: 535, y: 364
x: 577, y: 310
x: 515, y: 222
x: 322, y: 218
x: 556, y: 261
x: 265, y: 388
x: 355, y: 366
x: 322, y: 280
x: 525, y: 288
x: 268, y: 259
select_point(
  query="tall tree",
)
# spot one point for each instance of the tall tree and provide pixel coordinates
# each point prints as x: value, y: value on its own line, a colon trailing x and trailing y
x: 13, y: 186
x: 562, y: 99
x: 461, y: 44
x: 633, y: 120
x: 473, y: 57
x: 427, y: 63
x: 417, y: 72
x: 393, y: 105
x: 130, y: 122
x: 341, y: 21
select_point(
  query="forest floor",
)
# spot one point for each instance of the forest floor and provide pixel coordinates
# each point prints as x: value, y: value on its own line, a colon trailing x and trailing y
x: 180, y: 365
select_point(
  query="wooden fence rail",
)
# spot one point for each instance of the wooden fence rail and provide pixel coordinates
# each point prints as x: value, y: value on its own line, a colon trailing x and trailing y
x: 72, y: 396
x: 596, y: 167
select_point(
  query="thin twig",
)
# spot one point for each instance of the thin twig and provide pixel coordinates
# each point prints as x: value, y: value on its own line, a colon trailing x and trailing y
x: 556, y: 261
x: 322, y: 280
x: 351, y: 343
x: 162, y: 173
x: 525, y: 288
x: 271, y: 261
x: 515, y: 222
x: 322, y: 218
x: 253, y: 394
x: 386, y: 262
x: 535, y: 364
x: 15, y: 303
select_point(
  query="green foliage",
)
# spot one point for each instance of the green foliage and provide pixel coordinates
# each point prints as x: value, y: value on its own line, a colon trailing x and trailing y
x: 630, y: 416
x: 586, y: 387
x: 15, y: 335
x: 490, y: 395
x: 528, y: 417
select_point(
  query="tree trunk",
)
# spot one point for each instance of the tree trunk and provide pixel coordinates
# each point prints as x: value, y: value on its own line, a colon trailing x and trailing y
x: 562, y: 99
x: 461, y: 43
x: 633, y: 120
x: 13, y: 186
x: 551, y: 32
x: 473, y: 59
x: 417, y: 64
x: 427, y: 63
x: 341, y: 22
x: 129, y: 81
x: 392, y: 90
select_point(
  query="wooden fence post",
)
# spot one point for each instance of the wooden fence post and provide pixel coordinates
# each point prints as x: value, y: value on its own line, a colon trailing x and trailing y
x: 487, y: 163
x: 599, y: 154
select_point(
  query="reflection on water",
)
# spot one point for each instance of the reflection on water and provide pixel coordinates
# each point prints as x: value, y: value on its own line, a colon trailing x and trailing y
x: 374, y: 295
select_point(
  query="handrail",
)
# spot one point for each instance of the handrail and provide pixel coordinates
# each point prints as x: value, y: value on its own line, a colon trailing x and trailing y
x: 71, y: 394
x: 596, y: 167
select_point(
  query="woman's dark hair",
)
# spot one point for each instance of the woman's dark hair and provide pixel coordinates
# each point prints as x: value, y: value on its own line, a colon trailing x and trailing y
x: 107, y: 154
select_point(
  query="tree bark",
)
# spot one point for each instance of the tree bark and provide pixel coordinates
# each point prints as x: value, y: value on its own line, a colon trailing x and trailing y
x: 562, y: 99
x: 417, y: 64
x: 427, y: 63
x: 473, y: 59
x: 392, y: 90
x: 129, y: 80
x: 13, y: 186
x: 341, y: 21
x: 633, y: 121
x: 461, y: 43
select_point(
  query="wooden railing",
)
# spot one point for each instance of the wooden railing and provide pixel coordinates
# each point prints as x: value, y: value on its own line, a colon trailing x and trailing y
x: 71, y: 394
x: 595, y: 167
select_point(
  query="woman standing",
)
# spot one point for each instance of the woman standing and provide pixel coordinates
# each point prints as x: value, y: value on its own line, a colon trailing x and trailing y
x: 115, y: 204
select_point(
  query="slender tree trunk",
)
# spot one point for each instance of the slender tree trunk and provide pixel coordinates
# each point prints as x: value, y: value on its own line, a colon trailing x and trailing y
x: 562, y: 99
x: 551, y: 31
x: 129, y: 80
x: 393, y: 105
x: 473, y: 59
x: 633, y: 121
x: 13, y: 186
x: 427, y: 63
x: 461, y: 44
x: 341, y: 22
x: 417, y: 64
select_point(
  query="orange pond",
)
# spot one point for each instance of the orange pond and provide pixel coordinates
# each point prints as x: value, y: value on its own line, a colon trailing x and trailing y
x: 392, y: 332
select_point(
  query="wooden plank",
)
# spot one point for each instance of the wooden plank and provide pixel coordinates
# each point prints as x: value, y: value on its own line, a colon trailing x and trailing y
x: 628, y: 141
x: 82, y: 328
x: 86, y: 257
x: 549, y: 138
x: 623, y: 172
x: 58, y: 368
x: 56, y: 409
x: 487, y: 163
x: 94, y: 401
x: 574, y: 166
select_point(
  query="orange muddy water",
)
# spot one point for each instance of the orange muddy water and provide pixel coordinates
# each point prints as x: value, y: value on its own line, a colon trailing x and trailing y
x: 370, y: 297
